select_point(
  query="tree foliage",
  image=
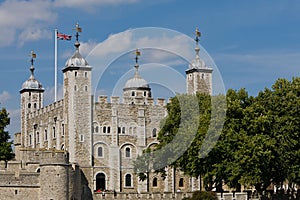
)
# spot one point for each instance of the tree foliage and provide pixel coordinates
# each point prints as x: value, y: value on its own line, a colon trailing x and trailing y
x: 258, y: 144
x: 5, y: 146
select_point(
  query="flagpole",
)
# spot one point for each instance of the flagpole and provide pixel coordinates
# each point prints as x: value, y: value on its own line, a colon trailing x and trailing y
x: 55, y: 65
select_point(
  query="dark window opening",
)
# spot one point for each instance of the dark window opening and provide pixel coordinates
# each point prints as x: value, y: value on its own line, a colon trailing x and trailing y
x: 100, y: 182
x: 127, y: 152
x: 128, y: 180
x: 100, y: 152
x: 154, y: 132
x: 154, y: 183
x: 181, y: 182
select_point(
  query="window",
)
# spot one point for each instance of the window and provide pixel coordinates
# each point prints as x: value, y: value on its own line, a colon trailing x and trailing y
x: 75, y: 74
x: 75, y: 88
x: 128, y: 180
x: 38, y: 137
x: 29, y: 105
x: 127, y: 152
x: 96, y: 129
x: 181, y: 182
x: 63, y: 130
x: 30, y: 142
x: 133, y: 94
x: 81, y: 138
x: 154, y: 132
x: 145, y: 93
x: 54, y: 134
x: 154, y: 183
x: 119, y: 130
x: 100, y: 152
x: 34, y: 105
x: 46, y: 135
x: 85, y: 74
x: 85, y: 88
x: 104, y: 129
x: 202, y: 76
x: 108, y: 129
x: 123, y: 130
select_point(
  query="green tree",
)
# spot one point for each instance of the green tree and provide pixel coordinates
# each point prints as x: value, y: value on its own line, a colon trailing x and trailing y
x: 258, y: 145
x: 5, y: 146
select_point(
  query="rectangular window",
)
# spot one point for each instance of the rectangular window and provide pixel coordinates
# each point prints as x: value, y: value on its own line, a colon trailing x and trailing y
x: 81, y: 139
x: 54, y: 134
x: 46, y: 135
x: 63, y: 129
x: 38, y: 137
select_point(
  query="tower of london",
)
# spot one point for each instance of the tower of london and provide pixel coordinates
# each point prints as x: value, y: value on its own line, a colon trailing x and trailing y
x: 83, y: 147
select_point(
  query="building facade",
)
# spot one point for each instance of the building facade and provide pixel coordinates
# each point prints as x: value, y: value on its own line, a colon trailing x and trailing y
x: 83, y: 147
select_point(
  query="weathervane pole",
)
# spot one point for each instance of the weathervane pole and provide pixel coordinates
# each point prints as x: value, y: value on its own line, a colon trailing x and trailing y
x: 55, y: 65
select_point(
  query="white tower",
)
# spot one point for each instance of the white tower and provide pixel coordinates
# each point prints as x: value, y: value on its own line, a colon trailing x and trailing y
x: 198, y: 76
x: 136, y: 90
x: 31, y: 99
x: 78, y: 107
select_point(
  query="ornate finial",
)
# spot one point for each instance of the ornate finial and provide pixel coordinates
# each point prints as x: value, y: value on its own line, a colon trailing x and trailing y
x: 198, y: 35
x: 137, y: 54
x: 78, y: 30
x: 32, y: 55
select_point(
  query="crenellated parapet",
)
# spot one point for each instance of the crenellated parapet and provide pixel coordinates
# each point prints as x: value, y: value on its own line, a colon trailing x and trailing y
x: 115, y: 100
x: 50, y: 108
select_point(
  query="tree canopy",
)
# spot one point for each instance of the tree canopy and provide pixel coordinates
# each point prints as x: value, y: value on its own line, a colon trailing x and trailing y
x: 258, y: 144
x: 5, y: 145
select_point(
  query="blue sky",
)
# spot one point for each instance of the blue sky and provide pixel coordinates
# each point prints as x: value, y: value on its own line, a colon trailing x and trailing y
x: 253, y: 43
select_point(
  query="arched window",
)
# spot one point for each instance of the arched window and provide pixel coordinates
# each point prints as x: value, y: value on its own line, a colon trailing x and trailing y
x: 145, y: 93
x: 34, y: 105
x: 85, y: 74
x: 128, y: 180
x: 100, y: 152
x: 154, y: 132
x: 104, y: 129
x: 29, y: 105
x: 181, y: 182
x: 100, y: 182
x: 75, y: 74
x: 108, y: 129
x: 154, y: 183
x: 123, y: 130
x: 127, y: 152
x: 132, y: 93
x: 96, y: 129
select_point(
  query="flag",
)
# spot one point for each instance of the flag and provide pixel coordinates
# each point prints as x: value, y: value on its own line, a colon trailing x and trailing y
x: 62, y: 36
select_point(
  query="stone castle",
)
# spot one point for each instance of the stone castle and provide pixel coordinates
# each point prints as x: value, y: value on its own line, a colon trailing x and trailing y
x: 83, y: 147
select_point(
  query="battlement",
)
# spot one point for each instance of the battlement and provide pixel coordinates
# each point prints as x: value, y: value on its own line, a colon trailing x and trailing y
x: 130, y: 100
x: 46, y: 109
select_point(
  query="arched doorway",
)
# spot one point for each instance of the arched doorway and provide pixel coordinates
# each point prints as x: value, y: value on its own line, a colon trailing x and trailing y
x: 100, y: 182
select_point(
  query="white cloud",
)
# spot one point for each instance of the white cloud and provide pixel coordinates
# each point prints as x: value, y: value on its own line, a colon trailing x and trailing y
x: 4, y: 96
x: 33, y: 34
x: 24, y: 16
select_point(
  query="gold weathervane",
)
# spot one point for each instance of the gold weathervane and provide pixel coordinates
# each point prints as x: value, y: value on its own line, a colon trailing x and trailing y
x: 198, y: 34
x: 137, y: 54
